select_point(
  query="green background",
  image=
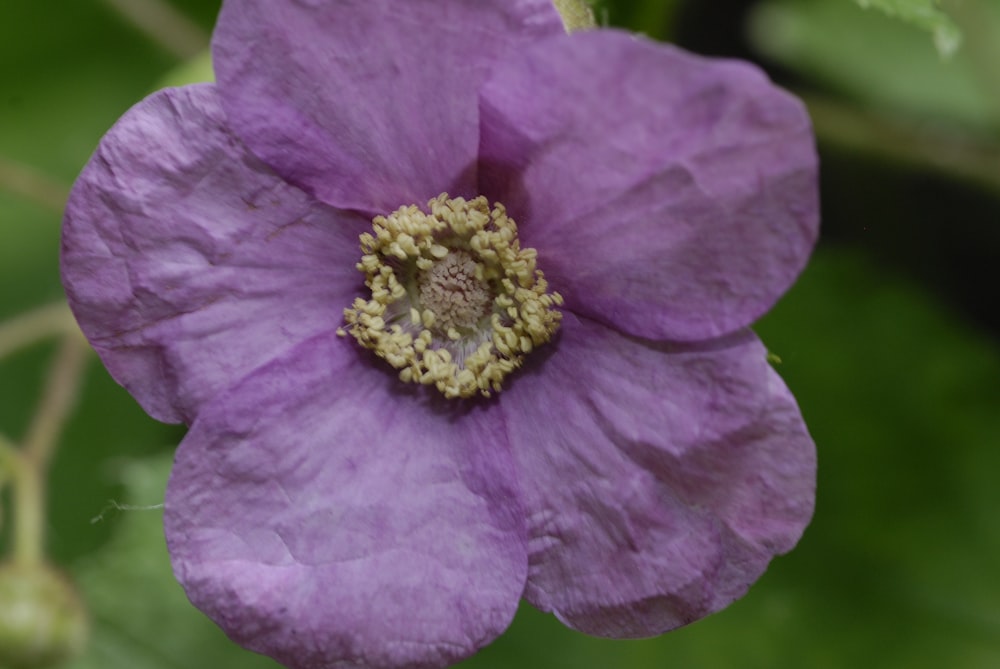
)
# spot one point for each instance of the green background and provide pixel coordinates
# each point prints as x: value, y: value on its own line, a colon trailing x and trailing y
x: 889, y: 341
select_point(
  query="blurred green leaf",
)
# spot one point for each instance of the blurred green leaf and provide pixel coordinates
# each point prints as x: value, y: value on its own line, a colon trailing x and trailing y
x: 882, y: 62
x: 923, y: 13
x: 196, y: 70
x: 140, y: 615
x: 67, y: 74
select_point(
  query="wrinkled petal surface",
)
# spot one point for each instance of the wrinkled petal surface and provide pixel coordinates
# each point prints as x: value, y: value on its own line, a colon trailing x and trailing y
x: 368, y: 104
x: 668, y: 480
x: 188, y: 263
x: 327, y: 517
x: 669, y: 195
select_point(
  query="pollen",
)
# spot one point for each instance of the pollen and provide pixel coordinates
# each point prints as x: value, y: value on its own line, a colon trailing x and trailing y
x: 455, y: 303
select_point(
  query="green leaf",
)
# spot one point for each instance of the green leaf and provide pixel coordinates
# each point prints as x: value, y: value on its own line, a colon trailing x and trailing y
x: 883, y: 63
x: 140, y: 616
x: 923, y: 13
x: 196, y: 70
x: 68, y: 74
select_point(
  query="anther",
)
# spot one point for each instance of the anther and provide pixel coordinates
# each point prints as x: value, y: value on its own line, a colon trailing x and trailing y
x: 471, y: 302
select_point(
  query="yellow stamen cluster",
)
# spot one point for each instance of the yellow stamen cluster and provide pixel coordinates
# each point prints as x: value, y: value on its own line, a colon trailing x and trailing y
x: 455, y: 301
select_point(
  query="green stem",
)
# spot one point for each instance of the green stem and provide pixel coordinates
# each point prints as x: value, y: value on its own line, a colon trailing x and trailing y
x: 41, y: 323
x: 28, y: 501
x: 955, y: 153
x: 28, y: 466
x: 163, y: 24
x: 61, y: 390
x: 31, y: 184
x: 8, y: 463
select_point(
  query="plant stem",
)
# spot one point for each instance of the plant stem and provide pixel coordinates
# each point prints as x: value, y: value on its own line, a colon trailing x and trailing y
x: 953, y: 152
x: 35, y: 325
x: 61, y: 390
x: 27, y: 467
x: 31, y: 184
x: 28, y: 503
x: 163, y: 24
x: 8, y: 463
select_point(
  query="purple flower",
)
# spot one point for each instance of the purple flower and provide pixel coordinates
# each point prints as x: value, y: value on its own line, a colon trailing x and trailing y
x: 620, y: 452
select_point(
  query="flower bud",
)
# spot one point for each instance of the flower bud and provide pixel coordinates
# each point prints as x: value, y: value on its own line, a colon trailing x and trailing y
x: 576, y: 14
x: 42, y: 620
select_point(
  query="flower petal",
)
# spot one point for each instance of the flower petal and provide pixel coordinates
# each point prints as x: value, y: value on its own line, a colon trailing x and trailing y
x: 658, y: 480
x: 188, y: 263
x: 326, y: 516
x: 668, y: 195
x: 368, y: 104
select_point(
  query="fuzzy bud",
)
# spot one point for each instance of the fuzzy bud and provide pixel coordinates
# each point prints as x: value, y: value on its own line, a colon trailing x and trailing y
x: 42, y: 620
x: 576, y: 14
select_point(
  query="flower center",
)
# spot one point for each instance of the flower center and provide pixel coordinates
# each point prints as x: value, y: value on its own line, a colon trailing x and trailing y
x: 451, y: 291
x: 455, y: 301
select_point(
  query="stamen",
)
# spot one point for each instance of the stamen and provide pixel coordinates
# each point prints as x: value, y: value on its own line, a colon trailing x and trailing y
x: 455, y: 302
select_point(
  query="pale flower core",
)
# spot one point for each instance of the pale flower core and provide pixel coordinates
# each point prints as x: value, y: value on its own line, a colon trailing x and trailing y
x: 455, y: 301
